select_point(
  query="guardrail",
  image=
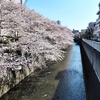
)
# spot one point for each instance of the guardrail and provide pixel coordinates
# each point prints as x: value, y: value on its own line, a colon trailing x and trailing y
x: 94, y: 44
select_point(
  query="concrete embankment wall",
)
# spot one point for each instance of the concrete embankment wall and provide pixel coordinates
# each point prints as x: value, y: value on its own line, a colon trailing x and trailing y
x: 91, y: 68
x: 13, y: 78
x: 92, y: 50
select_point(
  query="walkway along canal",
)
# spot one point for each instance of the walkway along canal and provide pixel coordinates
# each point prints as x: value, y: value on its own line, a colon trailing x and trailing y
x: 62, y: 81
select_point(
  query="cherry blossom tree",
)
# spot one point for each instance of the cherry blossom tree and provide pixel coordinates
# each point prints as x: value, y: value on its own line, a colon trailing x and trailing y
x: 29, y: 39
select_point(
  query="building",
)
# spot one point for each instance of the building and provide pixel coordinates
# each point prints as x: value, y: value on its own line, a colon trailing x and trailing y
x: 97, y: 25
x: 17, y: 1
x: 83, y: 31
x: 58, y: 22
x: 75, y: 31
x: 91, y: 25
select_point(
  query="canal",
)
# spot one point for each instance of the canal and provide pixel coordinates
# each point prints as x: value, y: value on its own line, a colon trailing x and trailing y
x: 62, y: 81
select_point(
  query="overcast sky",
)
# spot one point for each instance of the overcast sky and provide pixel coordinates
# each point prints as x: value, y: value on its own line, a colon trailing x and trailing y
x: 75, y: 14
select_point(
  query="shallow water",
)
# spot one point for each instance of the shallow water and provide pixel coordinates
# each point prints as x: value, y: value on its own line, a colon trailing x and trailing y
x: 71, y: 83
x: 63, y: 81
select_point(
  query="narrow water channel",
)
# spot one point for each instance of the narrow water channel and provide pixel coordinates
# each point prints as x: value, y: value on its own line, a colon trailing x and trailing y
x: 63, y: 81
x: 71, y: 82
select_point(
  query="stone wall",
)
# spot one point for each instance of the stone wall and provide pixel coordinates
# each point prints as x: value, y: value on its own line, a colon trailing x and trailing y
x: 13, y: 78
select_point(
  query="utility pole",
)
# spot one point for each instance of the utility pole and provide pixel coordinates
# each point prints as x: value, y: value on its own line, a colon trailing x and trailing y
x: 21, y: 2
x: 0, y: 15
x: 25, y: 1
